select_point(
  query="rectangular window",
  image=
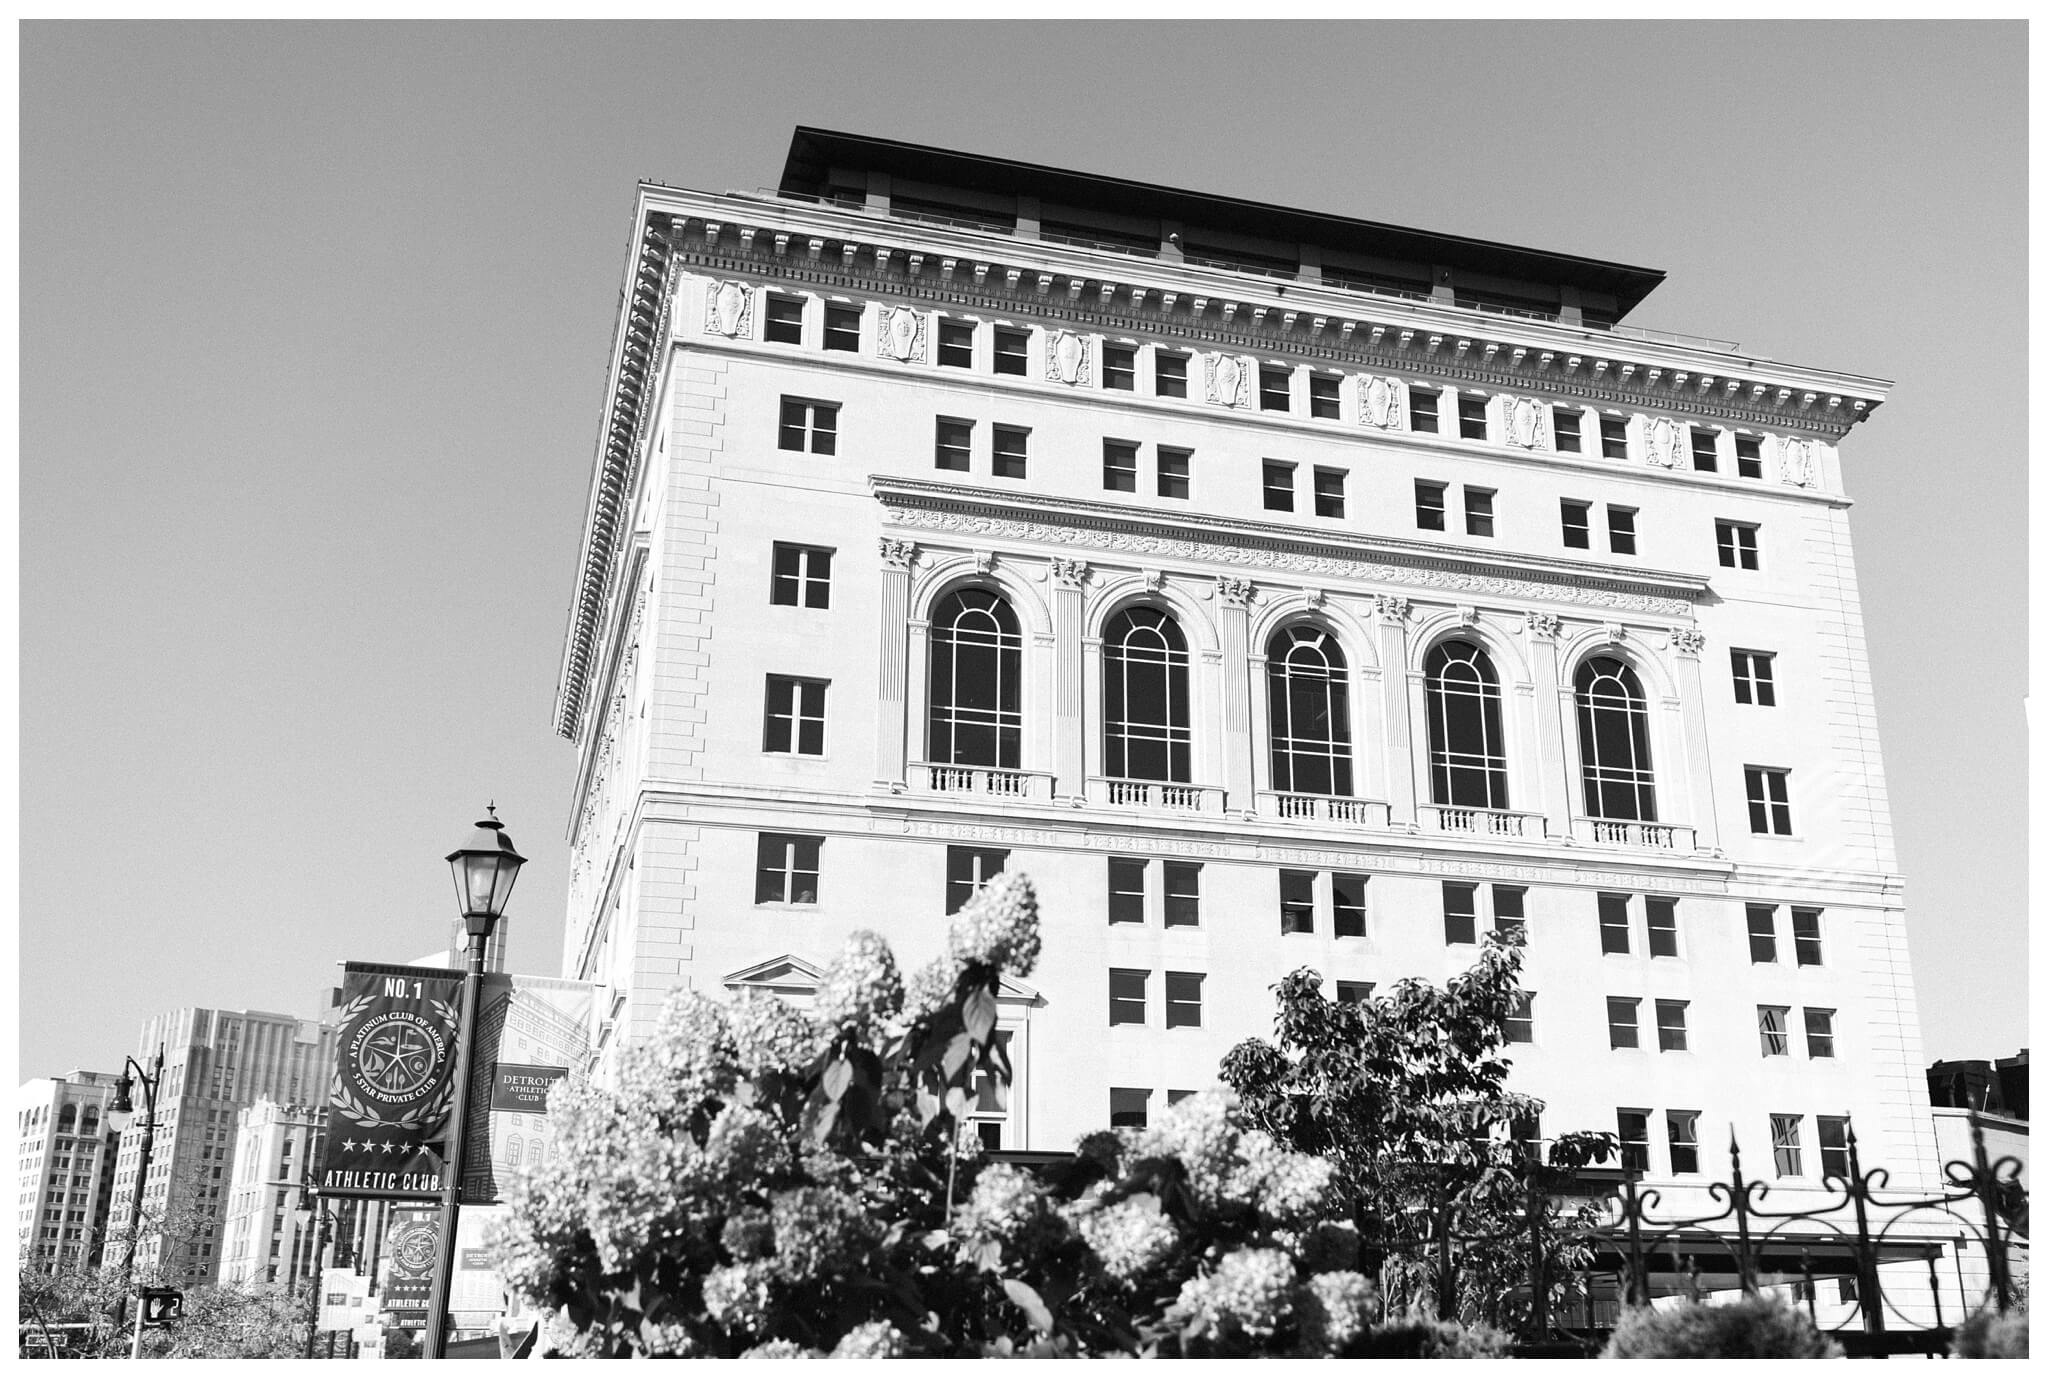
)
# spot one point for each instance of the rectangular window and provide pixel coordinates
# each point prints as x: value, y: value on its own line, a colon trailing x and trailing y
x: 1169, y: 373
x: 1183, y: 1000
x: 1770, y: 808
x: 1806, y: 937
x: 1564, y: 423
x: 1322, y: 396
x: 1279, y: 486
x: 1422, y: 404
x: 1682, y: 1132
x: 1461, y: 913
x: 1614, y: 923
x: 956, y: 344
x: 1479, y: 512
x: 1763, y: 933
x: 1749, y: 456
x: 1120, y: 368
x: 968, y: 869
x: 803, y: 577
x: 1662, y: 915
x: 1621, y: 530
x: 1614, y: 437
x: 1176, y: 471
x: 1526, y: 1132
x: 1273, y: 389
x: 795, y: 717
x: 1009, y: 456
x: 1126, y: 890
x: 1633, y: 1129
x: 1471, y: 417
x: 1353, y: 992
x: 1297, y: 901
x: 1012, y: 351
x: 1621, y: 1023
x: 1753, y: 682
x: 1785, y: 1145
x: 1127, y: 996
x: 1119, y: 466
x: 1772, y: 1036
x: 1832, y: 1133
x: 1577, y: 523
x: 953, y: 444
x: 809, y: 426
x: 1347, y: 903
x: 1706, y: 458
x: 1671, y: 1026
x: 1820, y: 1033
x: 1127, y: 1107
x: 842, y: 328
x: 785, y: 322
x: 1176, y: 1097
x: 1508, y: 919
x: 1521, y: 1021
x: 1183, y: 894
x: 786, y: 869
x: 1736, y: 544
x: 1429, y: 505
x: 1329, y: 492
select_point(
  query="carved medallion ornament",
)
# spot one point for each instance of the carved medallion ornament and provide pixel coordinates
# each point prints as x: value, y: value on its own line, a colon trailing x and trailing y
x: 729, y: 309
x: 1066, y: 358
x: 1071, y: 574
x: 1390, y: 608
x: 899, y: 554
x: 1230, y: 380
x: 1528, y: 424
x: 1664, y: 442
x: 1689, y: 641
x: 1796, y: 461
x: 1545, y: 626
x: 1238, y: 593
x: 1382, y: 402
x: 899, y: 332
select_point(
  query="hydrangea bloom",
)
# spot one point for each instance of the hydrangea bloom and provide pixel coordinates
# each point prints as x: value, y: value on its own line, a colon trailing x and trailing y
x: 815, y: 1227
x: 1130, y: 1238
x: 781, y: 1349
x: 1334, y: 1309
x: 931, y: 986
x: 861, y: 987
x: 748, y: 1235
x: 737, y: 1296
x: 1251, y: 1291
x: 874, y: 1340
x: 771, y: 1035
x: 744, y: 1142
x: 999, y: 926
x: 1006, y: 1203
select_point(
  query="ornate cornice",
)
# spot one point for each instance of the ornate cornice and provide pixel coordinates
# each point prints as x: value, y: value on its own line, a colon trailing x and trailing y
x: 1141, y: 537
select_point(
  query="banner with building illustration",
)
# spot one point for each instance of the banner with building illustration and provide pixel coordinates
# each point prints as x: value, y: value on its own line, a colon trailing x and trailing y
x: 531, y: 1032
x: 394, y: 1077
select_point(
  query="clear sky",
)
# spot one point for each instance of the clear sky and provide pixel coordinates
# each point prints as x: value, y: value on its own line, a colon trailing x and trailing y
x: 314, y: 326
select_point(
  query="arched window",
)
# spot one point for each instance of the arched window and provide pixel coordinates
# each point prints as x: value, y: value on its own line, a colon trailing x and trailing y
x: 1614, y: 741
x: 67, y: 1118
x: 1468, y: 764
x: 89, y: 1123
x: 512, y: 1150
x: 1309, y: 704
x: 1145, y: 733
x: 977, y: 668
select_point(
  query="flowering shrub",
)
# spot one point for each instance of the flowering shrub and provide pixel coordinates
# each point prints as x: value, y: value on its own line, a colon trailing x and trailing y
x: 1992, y: 1335
x: 1755, y: 1327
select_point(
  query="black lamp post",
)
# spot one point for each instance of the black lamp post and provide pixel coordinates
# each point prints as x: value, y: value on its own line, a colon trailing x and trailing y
x: 309, y: 1211
x: 485, y: 867
x: 119, y: 1115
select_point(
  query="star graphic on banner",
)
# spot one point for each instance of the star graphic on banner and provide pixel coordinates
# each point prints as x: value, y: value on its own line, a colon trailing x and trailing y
x: 348, y: 1145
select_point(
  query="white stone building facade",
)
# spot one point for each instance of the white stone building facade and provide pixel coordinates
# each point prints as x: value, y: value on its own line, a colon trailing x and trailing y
x: 64, y: 1165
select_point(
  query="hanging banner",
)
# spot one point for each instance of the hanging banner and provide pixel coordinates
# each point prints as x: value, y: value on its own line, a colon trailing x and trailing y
x: 394, y: 1075
x: 531, y: 1032
x: 410, y: 1251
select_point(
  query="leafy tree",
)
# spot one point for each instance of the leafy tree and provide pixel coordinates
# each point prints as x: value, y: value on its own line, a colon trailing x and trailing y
x: 258, y: 1322
x: 1406, y: 1093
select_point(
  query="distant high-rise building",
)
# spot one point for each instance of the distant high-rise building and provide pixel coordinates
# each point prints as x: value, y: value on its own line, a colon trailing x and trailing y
x: 66, y: 1160
x: 264, y: 1238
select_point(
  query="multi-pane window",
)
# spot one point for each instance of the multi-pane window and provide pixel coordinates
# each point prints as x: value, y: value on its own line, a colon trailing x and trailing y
x: 956, y: 344
x: 785, y: 320
x: 1468, y: 764
x: 1820, y: 1033
x: 1120, y: 367
x: 842, y: 328
x: 808, y: 426
x: 1273, y: 389
x: 802, y: 577
x: 1577, y: 523
x: 1749, y: 456
x: 1127, y: 1106
x: 1564, y: 424
x: 1329, y: 492
x: 1176, y: 472
x: 1183, y: 893
x: 1671, y: 1026
x: 1682, y: 1133
x: 1621, y: 1022
x: 1614, y: 437
x: 1614, y: 741
x: 990, y: 1110
x: 1322, y: 395
x: 1279, y: 486
x: 1297, y: 901
x: 1127, y: 995
x: 1461, y: 913
x: 1308, y: 704
x: 976, y: 684
x: 1422, y: 405
x: 1429, y: 505
x: 786, y: 869
x: 1119, y: 466
x: 1832, y: 1134
x: 1621, y: 530
x: 1130, y: 886
x: 1785, y: 1152
x: 1705, y: 452
x: 1526, y: 1133
x: 1770, y: 807
x: 1347, y: 905
x: 1773, y: 1037
x: 1354, y: 992
x: 1012, y: 351
x: 1009, y: 455
x: 1633, y: 1130
x: 1126, y: 890
x: 1753, y: 682
x: 953, y: 444
x: 968, y: 869
x: 1521, y: 1021
x: 1471, y: 417
x: 1479, y: 512
x: 1614, y: 924
x: 794, y: 720
x: 1169, y: 373
x: 1806, y: 937
x: 1763, y: 933
x: 1735, y: 542
x: 1183, y: 1000
x: 1662, y: 915
x: 1508, y: 919
x: 1147, y: 732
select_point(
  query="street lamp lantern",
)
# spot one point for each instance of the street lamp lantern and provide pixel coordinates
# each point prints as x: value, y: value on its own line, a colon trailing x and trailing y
x: 485, y: 866
x: 121, y: 1113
